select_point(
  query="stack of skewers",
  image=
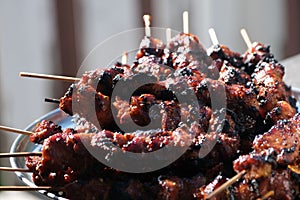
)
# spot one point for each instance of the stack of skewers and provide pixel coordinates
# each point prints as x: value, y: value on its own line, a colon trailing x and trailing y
x: 256, y: 155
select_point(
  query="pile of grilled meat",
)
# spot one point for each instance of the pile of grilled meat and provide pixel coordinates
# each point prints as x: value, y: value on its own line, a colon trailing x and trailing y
x: 257, y: 129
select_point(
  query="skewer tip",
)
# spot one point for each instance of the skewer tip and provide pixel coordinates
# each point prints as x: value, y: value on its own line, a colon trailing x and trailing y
x: 124, y: 58
x: 147, y: 19
x: 168, y: 35
x: 185, y: 16
x: 15, y: 130
x: 213, y: 36
x: 52, y: 100
x: 21, y: 74
x: 246, y: 38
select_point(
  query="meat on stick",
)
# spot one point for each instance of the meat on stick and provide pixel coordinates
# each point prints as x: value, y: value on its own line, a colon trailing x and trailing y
x: 226, y: 184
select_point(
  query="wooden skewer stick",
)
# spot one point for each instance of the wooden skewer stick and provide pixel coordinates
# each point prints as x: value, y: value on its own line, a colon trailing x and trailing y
x: 20, y: 131
x: 124, y: 58
x: 147, y: 20
x: 213, y: 36
x: 227, y: 184
x: 14, y: 169
x: 24, y: 188
x: 246, y: 38
x: 185, y: 17
x: 267, y: 195
x: 20, y: 154
x: 51, y: 100
x: 50, y: 77
x: 168, y: 35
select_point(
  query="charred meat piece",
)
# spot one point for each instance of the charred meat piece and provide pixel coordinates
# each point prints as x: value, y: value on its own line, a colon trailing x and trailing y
x: 128, y: 187
x: 211, y: 148
x: 58, y: 165
x: 65, y: 103
x: 241, y: 97
x: 223, y: 53
x: 103, y: 80
x: 174, y: 188
x: 143, y: 83
x: 146, y: 111
x: 95, y: 188
x: 207, y: 189
x: 150, y: 46
x: 279, y: 181
x: 137, y: 109
x: 238, y: 97
x: 233, y: 75
x: 257, y: 53
x: 207, y: 87
x: 186, y: 50
x: 61, y: 154
x: 99, y: 81
x: 226, y: 146
x: 93, y: 106
x: 143, y: 141
x: 96, y: 107
x: 282, y: 110
x: 256, y: 165
x: 183, y: 43
x: 267, y: 79
x: 43, y: 130
x: 171, y: 115
x: 278, y: 146
x: 153, y: 66
x: 266, y: 166
x: 283, y: 138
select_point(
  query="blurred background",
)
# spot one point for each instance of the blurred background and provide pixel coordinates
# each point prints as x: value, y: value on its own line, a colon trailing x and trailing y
x: 54, y: 37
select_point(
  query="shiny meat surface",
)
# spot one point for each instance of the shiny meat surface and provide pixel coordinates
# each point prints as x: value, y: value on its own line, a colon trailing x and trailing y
x: 43, y: 130
x: 150, y: 46
x: 256, y: 165
x: 255, y: 54
x: 280, y: 182
x: 179, y: 87
x: 282, y: 138
x: 223, y: 53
